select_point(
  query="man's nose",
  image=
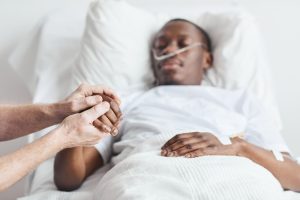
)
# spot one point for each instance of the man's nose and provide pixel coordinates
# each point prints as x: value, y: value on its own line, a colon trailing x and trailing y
x: 170, y: 48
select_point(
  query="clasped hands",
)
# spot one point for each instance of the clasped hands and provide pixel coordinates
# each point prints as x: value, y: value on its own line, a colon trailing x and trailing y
x: 89, y: 114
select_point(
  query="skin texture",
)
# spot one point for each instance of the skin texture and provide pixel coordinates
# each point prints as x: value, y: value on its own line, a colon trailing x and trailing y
x: 75, y: 130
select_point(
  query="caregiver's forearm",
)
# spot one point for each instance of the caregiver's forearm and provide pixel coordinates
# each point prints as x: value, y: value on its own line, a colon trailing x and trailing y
x: 17, y: 121
x: 287, y: 172
x: 18, y: 164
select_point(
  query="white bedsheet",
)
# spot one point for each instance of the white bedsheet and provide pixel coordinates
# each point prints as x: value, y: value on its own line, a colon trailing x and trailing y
x: 140, y: 173
x: 42, y: 185
x: 147, y: 175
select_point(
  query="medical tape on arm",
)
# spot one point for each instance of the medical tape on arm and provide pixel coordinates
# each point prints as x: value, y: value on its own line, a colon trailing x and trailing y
x: 278, y: 155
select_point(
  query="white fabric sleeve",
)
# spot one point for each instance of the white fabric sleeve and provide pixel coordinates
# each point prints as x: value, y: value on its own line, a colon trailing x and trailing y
x: 104, y: 147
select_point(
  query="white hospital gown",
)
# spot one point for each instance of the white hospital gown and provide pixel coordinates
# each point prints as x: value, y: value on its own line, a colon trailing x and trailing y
x: 169, y: 110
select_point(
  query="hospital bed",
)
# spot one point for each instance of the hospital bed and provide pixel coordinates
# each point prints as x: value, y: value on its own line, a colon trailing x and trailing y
x: 56, y: 41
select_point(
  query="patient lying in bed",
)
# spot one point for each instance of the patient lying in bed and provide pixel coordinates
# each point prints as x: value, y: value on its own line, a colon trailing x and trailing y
x: 168, y: 133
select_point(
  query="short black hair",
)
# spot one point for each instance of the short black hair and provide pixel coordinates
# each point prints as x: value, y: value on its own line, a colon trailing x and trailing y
x: 204, y: 34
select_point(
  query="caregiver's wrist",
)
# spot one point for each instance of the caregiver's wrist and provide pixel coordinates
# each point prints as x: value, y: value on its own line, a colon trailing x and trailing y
x: 60, y: 137
x: 60, y: 110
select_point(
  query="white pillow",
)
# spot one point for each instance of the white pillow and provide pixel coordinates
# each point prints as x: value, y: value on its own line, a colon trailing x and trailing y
x: 116, y: 45
x: 240, y: 61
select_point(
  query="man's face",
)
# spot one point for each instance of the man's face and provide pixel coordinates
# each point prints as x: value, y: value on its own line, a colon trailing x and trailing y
x: 186, y: 68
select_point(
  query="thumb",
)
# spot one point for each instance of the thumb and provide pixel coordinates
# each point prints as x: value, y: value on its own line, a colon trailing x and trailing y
x: 87, y: 102
x: 95, y: 112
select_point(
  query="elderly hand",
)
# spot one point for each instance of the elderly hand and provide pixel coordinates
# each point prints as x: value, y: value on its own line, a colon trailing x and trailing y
x: 78, y: 129
x: 86, y: 96
x: 190, y: 144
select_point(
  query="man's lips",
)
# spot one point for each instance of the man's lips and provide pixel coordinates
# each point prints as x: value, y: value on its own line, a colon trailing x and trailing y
x: 170, y: 64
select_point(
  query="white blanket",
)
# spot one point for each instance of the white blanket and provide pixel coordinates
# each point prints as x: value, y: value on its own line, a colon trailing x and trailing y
x: 157, y: 115
x: 153, y: 118
x: 144, y: 174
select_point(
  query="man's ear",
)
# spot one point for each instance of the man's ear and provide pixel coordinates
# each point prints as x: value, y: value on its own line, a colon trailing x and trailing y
x: 207, y: 60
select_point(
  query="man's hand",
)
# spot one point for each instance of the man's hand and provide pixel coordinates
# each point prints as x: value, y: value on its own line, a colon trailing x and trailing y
x: 78, y: 129
x: 190, y: 144
x: 111, y: 120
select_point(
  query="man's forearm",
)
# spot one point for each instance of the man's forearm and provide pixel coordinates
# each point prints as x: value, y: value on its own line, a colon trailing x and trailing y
x: 72, y: 166
x: 287, y: 172
x: 69, y: 169
x: 16, y: 165
x: 17, y: 121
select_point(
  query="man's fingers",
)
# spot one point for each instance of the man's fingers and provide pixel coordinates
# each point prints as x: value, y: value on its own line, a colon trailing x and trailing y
x: 101, y: 126
x: 196, y: 153
x: 95, y: 112
x: 106, y: 121
x: 190, y: 148
x: 111, y: 116
x: 115, y: 107
x: 215, y: 150
x: 177, y: 138
x: 183, y: 142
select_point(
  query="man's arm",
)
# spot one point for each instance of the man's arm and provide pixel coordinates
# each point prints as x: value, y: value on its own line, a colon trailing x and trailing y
x: 69, y: 134
x: 197, y: 144
x: 287, y: 171
x: 73, y: 166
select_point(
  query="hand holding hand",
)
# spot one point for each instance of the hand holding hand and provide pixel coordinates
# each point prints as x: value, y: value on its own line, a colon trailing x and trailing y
x: 78, y: 129
x: 86, y: 96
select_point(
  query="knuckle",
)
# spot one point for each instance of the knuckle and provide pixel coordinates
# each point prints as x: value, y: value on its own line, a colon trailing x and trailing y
x: 82, y: 117
x: 189, y: 146
x: 181, y: 142
x: 83, y: 87
x: 177, y: 136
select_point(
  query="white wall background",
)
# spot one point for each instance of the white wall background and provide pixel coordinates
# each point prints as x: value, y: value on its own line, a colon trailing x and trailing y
x: 278, y: 21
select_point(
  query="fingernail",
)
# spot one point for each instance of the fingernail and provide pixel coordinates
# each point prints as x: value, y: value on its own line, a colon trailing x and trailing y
x: 115, y: 132
x: 187, y: 155
x: 170, y: 153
